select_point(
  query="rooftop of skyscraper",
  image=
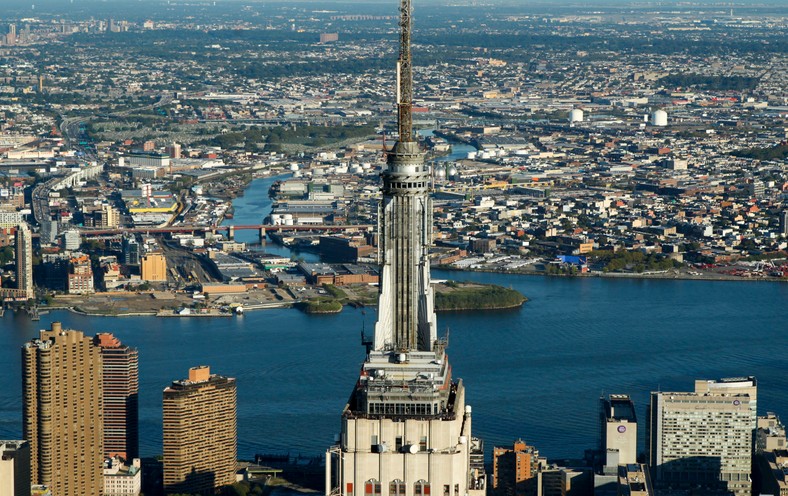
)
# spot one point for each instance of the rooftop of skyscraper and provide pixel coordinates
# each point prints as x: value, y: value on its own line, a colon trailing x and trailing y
x: 413, y: 384
x: 620, y: 407
x: 197, y: 377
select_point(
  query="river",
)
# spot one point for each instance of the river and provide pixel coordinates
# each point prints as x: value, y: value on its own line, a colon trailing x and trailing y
x: 534, y: 373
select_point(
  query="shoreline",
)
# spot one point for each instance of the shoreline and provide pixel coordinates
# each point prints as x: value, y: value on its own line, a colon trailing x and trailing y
x: 619, y: 275
x: 664, y: 277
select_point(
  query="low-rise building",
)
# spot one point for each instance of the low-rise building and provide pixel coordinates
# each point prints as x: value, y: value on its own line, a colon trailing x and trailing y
x: 121, y: 479
x: 80, y: 275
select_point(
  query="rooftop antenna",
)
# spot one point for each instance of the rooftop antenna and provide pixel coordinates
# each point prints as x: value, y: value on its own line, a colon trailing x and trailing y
x: 405, y: 75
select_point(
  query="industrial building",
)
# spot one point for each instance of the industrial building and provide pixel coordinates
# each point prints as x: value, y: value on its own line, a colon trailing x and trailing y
x: 153, y: 267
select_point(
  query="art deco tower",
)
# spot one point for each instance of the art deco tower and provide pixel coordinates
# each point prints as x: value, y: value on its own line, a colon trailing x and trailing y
x: 406, y: 430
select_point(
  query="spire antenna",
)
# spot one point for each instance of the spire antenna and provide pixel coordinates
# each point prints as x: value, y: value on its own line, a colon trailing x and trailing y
x: 405, y: 75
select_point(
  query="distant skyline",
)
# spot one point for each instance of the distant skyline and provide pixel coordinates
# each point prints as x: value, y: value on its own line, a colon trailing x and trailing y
x: 477, y: 3
x: 232, y: 10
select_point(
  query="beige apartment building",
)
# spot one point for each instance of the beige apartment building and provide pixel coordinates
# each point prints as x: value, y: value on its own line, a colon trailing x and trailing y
x: 62, y: 411
x: 200, y: 432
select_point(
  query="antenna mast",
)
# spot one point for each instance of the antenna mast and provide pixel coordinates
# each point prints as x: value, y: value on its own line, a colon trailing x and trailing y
x: 405, y: 75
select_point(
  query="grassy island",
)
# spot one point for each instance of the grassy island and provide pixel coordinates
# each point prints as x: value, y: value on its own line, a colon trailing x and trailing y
x: 453, y: 296
x: 323, y: 305
x: 450, y: 296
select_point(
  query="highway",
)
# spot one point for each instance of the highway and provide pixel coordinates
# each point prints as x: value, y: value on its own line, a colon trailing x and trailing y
x: 86, y: 231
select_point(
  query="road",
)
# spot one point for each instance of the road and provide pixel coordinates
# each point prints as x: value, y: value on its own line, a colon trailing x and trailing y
x: 69, y: 126
x: 70, y: 130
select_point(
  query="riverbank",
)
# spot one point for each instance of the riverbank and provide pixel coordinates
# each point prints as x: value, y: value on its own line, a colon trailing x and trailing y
x: 670, y: 275
x: 163, y: 304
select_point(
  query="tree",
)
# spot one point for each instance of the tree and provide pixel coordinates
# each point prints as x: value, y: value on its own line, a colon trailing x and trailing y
x: 6, y: 255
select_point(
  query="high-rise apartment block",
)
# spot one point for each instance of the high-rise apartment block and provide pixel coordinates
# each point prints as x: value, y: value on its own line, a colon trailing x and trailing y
x: 14, y: 468
x: 704, y: 438
x: 121, y: 401
x: 515, y: 470
x: 62, y: 411
x: 199, y: 432
x: 10, y: 37
x: 24, y: 261
x: 619, y: 441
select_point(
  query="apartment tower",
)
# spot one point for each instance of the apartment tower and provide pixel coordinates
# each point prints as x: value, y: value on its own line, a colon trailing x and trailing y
x: 704, y: 439
x: 24, y: 261
x: 199, y: 432
x: 121, y: 397
x: 406, y: 430
x: 515, y: 470
x: 62, y: 411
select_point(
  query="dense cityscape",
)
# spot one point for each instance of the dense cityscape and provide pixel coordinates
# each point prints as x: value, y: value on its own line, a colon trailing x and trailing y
x: 636, y: 141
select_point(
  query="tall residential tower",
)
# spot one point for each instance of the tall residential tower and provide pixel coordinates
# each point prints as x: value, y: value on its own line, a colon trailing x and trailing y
x: 406, y: 430
x: 62, y: 411
x: 200, y: 432
x: 121, y: 402
x: 24, y: 260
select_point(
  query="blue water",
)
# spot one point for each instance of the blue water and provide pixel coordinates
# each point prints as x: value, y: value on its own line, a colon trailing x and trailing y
x: 252, y: 208
x: 535, y: 373
x: 459, y: 150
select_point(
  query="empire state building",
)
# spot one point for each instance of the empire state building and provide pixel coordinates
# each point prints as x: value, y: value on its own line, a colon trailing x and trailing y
x: 406, y: 430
